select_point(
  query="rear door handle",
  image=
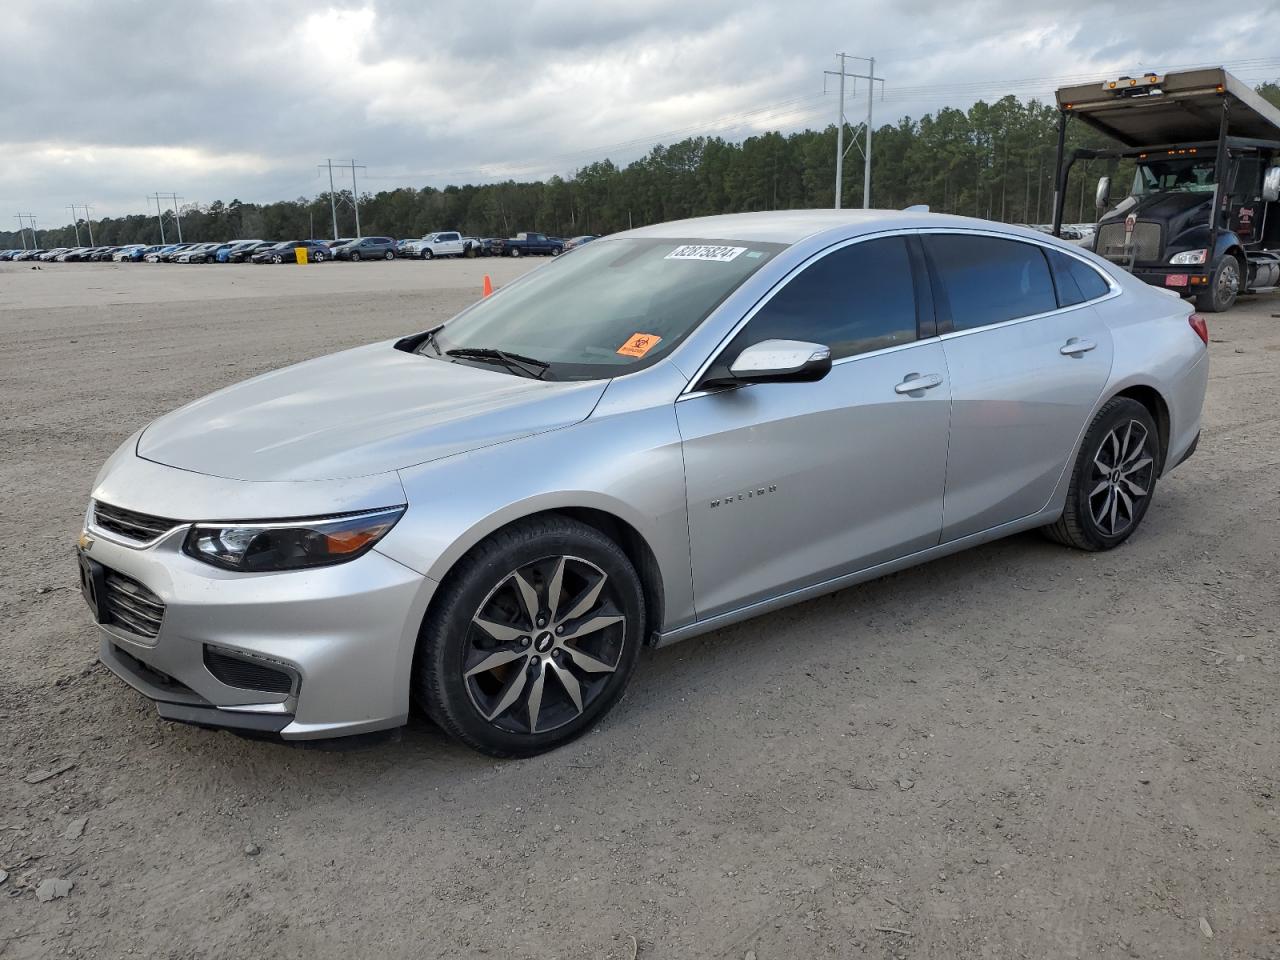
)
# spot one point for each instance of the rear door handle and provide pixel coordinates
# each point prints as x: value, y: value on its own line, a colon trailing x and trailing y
x: 916, y: 383
x: 1075, y: 346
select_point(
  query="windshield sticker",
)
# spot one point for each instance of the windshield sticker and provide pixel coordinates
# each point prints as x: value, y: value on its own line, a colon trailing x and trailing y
x: 703, y: 251
x: 638, y: 344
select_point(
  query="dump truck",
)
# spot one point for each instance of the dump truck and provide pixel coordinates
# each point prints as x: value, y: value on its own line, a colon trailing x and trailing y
x: 1202, y: 216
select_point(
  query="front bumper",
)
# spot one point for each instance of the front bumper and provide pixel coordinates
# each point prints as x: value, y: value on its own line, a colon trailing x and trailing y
x: 345, y: 635
x: 1196, y: 276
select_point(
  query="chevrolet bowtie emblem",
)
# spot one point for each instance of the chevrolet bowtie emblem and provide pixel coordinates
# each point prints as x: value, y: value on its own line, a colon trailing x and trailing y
x: 85, y: 542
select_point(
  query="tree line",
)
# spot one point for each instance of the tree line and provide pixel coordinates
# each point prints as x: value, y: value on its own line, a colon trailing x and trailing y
x: 994, y: 160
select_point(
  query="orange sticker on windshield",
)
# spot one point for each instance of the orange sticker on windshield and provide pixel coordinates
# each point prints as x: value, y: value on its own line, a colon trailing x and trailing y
x: 639, y: 344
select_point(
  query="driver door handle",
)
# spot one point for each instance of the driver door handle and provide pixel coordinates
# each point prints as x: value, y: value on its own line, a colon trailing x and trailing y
x: 917, y: 383
x: 1075, y: 346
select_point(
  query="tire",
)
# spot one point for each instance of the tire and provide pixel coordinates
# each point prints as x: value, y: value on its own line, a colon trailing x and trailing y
x: 555, y: 251
x: 1104, y: 508
x: 1224, y: 286
x: 276, y: 258
x: 519, y: 706
x: 355, y: 256
x: 389, y: 255
x: 426, y: 254
x: 317, y: 256
x: 470, y: 253
x: 515, y: 251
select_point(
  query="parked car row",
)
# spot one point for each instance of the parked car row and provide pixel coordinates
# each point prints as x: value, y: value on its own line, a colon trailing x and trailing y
x: 445, y: 243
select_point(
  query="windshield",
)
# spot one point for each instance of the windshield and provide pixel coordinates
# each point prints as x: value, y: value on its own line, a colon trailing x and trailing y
x: 610, y: 307
x: 1183, y: 175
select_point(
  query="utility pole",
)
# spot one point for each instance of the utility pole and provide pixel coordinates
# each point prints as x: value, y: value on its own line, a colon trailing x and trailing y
x: 872, y: 80
x: 159, y: 214
x: 355, y: 196
x: 333, y: 200
x: 75, y: 223
x: 22, y: 229
x: 88, y: 222
x: 177, y: 214
x: 177, y: 217
x: 22, y: 219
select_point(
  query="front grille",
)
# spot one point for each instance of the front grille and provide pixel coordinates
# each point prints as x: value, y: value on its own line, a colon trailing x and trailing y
x: 245, y: 673
x: 131, y: 605
x: 1145, y: 243
x: 130, y: 524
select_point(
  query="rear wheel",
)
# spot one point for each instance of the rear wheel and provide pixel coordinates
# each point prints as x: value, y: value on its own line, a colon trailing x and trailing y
x: 1224, y: 286
x: 515, y: 251
x: 1113, y: 480
x: 532, y: 639
x: 276, y: 258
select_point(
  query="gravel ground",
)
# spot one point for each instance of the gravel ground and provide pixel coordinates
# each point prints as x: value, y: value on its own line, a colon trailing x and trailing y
x: 1021, y: 751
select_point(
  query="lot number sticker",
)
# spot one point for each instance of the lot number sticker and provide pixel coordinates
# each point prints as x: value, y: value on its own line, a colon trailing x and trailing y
x: 702, y: 251
x: 638, y: 344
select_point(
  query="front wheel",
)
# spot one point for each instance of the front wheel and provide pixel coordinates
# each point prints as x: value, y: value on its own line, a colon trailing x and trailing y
x: 355, y: 255
x: 1224, y: 286
x: 533, y: 638
x: 426, y: 254
x: 317, y: 256
x: 1113, y: 480
x: 277, y: 259
x: 388, y: 256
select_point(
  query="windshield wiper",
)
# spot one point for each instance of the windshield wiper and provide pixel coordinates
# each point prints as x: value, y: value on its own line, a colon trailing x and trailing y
x: 414, y: 342
x: 529, y: 366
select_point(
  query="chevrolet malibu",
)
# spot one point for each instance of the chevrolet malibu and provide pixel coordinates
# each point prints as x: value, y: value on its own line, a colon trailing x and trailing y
x: 663, y: 432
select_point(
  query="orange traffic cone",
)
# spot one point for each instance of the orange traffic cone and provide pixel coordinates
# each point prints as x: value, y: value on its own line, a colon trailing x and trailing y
x: 488, y: 285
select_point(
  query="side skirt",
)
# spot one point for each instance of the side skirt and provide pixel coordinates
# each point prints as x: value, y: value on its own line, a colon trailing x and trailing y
x: 850, y: 579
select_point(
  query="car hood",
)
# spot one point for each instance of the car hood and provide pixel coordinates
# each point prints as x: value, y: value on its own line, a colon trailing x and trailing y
x: 356, y: 413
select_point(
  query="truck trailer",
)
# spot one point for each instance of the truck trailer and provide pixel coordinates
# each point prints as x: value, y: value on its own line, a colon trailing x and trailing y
x: 1202, y: 216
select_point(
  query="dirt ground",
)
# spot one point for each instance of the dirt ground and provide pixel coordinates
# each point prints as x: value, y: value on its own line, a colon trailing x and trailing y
x: 1018, y: 752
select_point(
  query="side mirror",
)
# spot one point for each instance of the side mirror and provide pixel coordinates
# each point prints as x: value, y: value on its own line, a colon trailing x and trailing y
x: 781, y: 361
x: 1103, y: 193
x: 1271, y: 185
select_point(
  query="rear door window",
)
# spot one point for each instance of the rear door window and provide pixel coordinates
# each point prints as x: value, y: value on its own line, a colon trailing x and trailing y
x: 985, y: 280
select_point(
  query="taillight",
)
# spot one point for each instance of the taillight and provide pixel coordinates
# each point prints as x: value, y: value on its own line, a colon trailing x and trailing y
x: 1200, y: 326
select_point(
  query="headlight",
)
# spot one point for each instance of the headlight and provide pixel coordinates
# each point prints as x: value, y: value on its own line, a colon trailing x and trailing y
x: 1189, y: 256
x: 289, y: 544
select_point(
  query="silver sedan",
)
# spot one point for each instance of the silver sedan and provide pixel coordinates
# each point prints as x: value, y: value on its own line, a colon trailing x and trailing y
x: 665, y: 431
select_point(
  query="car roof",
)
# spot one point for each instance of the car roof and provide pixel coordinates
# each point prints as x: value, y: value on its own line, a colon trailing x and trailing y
x: 792, y: 226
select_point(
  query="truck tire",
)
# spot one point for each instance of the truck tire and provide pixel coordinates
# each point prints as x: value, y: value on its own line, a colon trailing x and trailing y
x: 1224, y: 286
x: 515, y: 251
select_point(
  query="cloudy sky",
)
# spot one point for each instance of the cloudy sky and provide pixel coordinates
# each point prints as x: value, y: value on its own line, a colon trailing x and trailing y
x: 106, y: 101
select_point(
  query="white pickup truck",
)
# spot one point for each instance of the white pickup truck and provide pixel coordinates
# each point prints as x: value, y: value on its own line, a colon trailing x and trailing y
x: 447, y: 243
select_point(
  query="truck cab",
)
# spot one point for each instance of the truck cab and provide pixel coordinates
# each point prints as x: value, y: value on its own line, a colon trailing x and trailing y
x: 1201, y: 215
